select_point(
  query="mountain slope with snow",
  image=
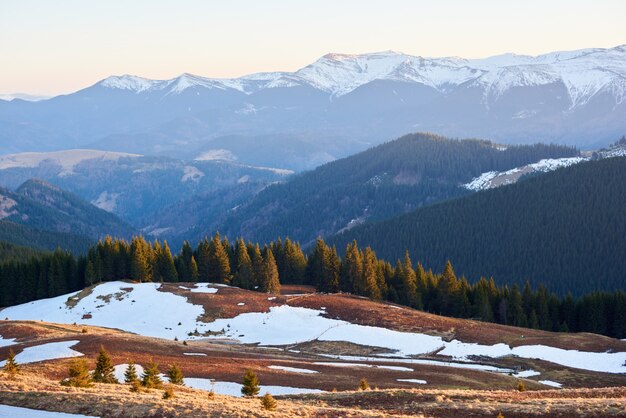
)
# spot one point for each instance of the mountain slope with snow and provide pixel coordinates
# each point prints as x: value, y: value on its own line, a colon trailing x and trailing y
x: 334, y: 107
x: 130, y: 307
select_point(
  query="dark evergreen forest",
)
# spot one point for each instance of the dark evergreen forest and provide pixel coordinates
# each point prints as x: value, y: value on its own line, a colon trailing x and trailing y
x: 360, y: 272
x: 565, y: 230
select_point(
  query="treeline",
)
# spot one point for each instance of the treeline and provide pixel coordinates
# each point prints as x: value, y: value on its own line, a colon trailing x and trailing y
x: 360, y: 272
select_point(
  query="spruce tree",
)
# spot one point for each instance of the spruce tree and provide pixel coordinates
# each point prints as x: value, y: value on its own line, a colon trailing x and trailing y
x: 268, y: 402
x: 351, y: 268
x: 130, y: 375
x: 251, y: 384
x: 104, y: 372
x: 269, y: 274
x: 244, y: 274
x: 218, y: 262
x: 11, y: 368
x: 78, y: 374
x: 175, y: 375
x: 150, y: 378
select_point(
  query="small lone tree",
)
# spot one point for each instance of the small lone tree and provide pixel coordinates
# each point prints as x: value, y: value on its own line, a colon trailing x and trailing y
x: 168, y: 393
x: 175, y: 375
x: 130, y: 375
x: 251, y: 384
x: 150, y: 378
x: 79, y: 374
x: 521, y: 387
x: 104, y: 372
x: 268, y: 402
x: 11, y: 367
x: 363, y: 384
x: 500, y: 415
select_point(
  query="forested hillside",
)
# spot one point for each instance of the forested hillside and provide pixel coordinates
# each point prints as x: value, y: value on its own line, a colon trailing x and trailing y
x: 26, y: 236
x: 39, y: 205
x: 382, y: 182
x: 360, y: 272
x: 564, y: 229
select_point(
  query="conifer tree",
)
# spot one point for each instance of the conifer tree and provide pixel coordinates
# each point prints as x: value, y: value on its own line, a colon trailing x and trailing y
x: 150, y: 378
x: 409, y: 295
x: 218, y: 262
x: 257, y: 264
x: 78, y: 374
x: 166, y: 264
x: 251, y: 384
x: 368, y: 285
x: 90, y: 274
x: 175, y: 375
x: 268, y: 402
x: 140, y: 263
x: 104, y: 372
x: 363, y: 384
x: 130, y: 375
x: 202, y: 260
x: 244, y: 274
x: 351, y: 268
x: 11, y: 368
x: 269, y: 274
x: 294, y: 263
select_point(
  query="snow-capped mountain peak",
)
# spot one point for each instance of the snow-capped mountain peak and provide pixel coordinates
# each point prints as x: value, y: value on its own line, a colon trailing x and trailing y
x: 128, y: 82
x: 584, y: 73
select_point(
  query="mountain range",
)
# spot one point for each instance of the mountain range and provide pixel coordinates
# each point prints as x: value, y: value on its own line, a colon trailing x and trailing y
x: 334, y: 107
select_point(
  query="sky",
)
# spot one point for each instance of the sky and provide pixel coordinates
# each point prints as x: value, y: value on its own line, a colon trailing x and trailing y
x: 53, y: 47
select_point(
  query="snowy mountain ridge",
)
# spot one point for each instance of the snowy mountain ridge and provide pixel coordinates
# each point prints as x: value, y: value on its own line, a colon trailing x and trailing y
x: 584, y: 73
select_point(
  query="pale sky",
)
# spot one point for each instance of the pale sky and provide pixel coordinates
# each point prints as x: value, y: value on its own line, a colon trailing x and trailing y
x: 58, y: 46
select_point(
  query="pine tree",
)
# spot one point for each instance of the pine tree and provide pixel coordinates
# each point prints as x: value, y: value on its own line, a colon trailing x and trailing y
x: 251, y: 384
x: 168, y: 393
x: 175, y: 375
x: 202, y: 260
x: 104, y: 372
x: 78, y: 374
x: 257, y: 264
x: 368, y: 285
x: 11, y: 368
x: 166, y: 264
x: 130, y: 375
x: 150, y: 378
x: 294, y: 264
x: 268, y: 402
x: 363, y: 384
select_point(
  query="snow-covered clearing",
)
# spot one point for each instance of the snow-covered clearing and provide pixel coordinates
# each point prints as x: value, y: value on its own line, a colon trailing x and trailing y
x: 194, y: 354
x: 293, y: 369
x: 234, y: 389
x: 133, y: 307
x: 48, y: 351
x: 19, y: 412
x: 158, y: 314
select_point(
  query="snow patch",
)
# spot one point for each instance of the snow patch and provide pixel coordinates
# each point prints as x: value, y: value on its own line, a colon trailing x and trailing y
x: 203, y: 288
x: 219, y: 154
x: 416, y: 381
x: 234, y: 389
x: 292, y: 369
x: 19, y: 412
x: 66, y: 159
x: 5, y: 342
x: 191, y: 173
x: 106, y: 201
x: 551, y: 383
x: 48, y: 351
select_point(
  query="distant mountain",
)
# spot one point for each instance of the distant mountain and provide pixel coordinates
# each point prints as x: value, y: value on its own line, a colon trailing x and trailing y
x: 564, y: 229
x: 382, y: 182
x: 39, y: 205
x: 132, y: 186
x: 334, y: 107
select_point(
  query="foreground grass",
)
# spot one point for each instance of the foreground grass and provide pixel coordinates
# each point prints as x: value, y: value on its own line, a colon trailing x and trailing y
x: 32, y: 391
